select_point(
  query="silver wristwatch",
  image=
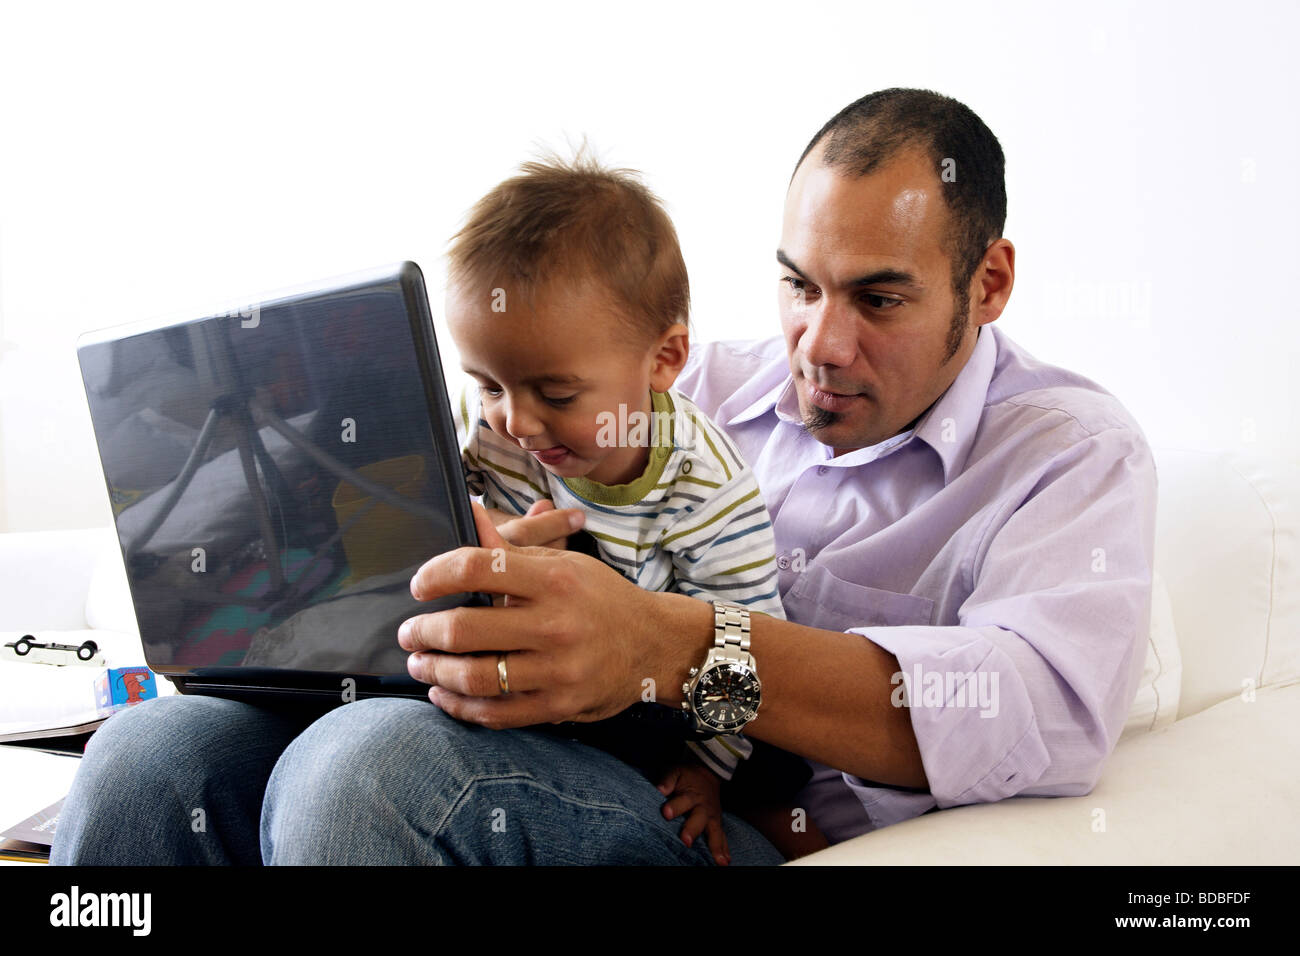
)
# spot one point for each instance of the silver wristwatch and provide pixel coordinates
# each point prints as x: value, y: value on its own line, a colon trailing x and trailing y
x: 723, y: 694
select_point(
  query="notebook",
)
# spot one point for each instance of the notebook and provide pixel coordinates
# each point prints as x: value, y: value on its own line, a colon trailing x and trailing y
x: 277, y: 472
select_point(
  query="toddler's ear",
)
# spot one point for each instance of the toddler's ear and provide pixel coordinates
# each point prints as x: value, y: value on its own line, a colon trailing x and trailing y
x: 668, y: 356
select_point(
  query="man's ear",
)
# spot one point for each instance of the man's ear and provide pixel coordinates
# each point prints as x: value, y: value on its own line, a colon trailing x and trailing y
x: 668, y: 356
x: 993, y: 281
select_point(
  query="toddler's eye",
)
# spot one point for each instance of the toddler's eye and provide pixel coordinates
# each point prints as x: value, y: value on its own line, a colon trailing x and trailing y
x: 489, y: 392
x: 564, y: 400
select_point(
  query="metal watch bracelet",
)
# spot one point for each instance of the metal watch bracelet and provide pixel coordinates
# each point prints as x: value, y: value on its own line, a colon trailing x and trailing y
x: 731, y: 626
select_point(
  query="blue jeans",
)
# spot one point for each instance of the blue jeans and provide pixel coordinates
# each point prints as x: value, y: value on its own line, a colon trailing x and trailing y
x: 201, y: 780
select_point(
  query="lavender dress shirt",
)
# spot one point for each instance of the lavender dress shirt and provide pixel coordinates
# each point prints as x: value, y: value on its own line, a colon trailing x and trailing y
x: 1001, y: 549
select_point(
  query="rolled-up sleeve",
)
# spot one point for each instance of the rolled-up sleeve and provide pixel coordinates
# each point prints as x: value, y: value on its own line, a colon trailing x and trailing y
x: 1028, y: 692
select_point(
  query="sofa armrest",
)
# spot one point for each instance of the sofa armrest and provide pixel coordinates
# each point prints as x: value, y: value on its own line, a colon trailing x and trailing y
x: 45, y: 577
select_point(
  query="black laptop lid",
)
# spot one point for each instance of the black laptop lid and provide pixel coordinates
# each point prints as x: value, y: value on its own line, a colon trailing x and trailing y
x: 277, y: 475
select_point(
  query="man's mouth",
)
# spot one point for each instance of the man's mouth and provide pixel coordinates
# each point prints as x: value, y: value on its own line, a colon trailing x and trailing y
x: 833, y: 401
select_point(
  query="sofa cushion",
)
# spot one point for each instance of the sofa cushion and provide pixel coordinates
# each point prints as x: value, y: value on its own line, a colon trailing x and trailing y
x: 44, y: 576
x: 1277, y: 482
x: 1226, y: 543
x: 1193, y: 793
x: 108, y: 599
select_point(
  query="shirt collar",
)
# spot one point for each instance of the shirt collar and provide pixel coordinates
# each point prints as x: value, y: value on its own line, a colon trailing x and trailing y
x: 948, y: 426
x: 763, y: 393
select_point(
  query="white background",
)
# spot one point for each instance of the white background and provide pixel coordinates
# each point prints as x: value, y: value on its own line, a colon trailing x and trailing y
x: 156, y: 158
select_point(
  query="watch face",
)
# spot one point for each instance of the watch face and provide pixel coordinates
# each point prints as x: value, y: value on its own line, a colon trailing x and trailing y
x: 726, y: 697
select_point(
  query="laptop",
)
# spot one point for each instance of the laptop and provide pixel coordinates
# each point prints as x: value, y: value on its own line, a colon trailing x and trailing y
x: 277, y: 473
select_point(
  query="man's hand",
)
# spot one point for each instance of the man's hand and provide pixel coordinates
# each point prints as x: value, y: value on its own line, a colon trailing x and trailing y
x: 694, y: 788
x: 578, y: 637
x: 541, y: 526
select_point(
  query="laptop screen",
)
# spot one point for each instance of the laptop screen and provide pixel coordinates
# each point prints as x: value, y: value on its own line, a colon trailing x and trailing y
x: 276, y: 479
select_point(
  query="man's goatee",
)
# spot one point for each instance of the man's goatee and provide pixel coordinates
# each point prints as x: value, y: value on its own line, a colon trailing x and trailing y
x: 819, y: 418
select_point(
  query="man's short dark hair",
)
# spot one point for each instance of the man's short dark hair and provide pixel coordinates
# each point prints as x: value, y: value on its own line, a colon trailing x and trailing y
x: 870, y: 132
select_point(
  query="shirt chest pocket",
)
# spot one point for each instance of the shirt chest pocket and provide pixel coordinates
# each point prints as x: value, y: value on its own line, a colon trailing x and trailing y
x: 820, y: 599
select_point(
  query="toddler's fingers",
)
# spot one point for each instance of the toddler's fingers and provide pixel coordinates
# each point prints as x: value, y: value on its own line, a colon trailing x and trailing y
x: 694, y: 825
x: 718, y: 841
x: 669, y: 782
x: 681, y: 801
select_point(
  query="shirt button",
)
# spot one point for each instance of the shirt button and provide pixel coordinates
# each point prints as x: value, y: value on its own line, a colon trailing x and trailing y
x: 783, y: 563
x: 822, y: 469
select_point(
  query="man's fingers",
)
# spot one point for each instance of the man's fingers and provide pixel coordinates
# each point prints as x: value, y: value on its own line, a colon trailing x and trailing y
x: 502, y: 569
x: 476, y: 675
x: 496, y: 541
x: 469, y: 630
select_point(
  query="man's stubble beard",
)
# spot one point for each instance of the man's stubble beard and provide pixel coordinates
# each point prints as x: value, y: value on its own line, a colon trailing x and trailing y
x: 959, y: 325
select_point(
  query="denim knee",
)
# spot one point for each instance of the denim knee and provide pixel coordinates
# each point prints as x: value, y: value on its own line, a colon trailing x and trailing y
x: 175, y: 779
x: 342, y: 791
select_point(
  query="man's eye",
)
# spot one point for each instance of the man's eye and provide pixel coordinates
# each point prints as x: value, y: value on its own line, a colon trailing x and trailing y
x: 489, y: 392
x: 882, y: 302
x: 798, y: 287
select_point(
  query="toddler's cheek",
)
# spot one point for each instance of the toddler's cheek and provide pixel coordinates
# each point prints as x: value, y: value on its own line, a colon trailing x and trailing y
x: 588, y: 450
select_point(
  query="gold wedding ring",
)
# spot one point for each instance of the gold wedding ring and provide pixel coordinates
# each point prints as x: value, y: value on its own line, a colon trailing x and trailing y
x: 502, y: 680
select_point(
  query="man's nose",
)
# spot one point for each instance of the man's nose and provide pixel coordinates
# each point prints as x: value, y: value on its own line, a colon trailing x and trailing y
x: 831, y: 335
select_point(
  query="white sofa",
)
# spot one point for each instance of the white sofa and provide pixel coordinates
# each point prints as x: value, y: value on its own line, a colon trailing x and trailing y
x: 1208, y: 769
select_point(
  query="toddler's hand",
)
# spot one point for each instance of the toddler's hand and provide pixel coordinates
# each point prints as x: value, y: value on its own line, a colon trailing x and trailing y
x: 543, y: 526
x: 694, y: 788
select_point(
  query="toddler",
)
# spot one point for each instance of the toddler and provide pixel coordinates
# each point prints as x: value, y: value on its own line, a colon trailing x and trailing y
x: 568, y: 301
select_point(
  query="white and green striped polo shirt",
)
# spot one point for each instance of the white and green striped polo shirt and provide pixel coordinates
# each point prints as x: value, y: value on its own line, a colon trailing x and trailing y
x: 693, y: 522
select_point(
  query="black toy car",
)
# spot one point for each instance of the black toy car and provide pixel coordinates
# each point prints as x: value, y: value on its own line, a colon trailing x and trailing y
x: 24, y: 645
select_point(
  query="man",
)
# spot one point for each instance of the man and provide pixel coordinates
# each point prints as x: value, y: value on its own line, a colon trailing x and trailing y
x: 965, y: 539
